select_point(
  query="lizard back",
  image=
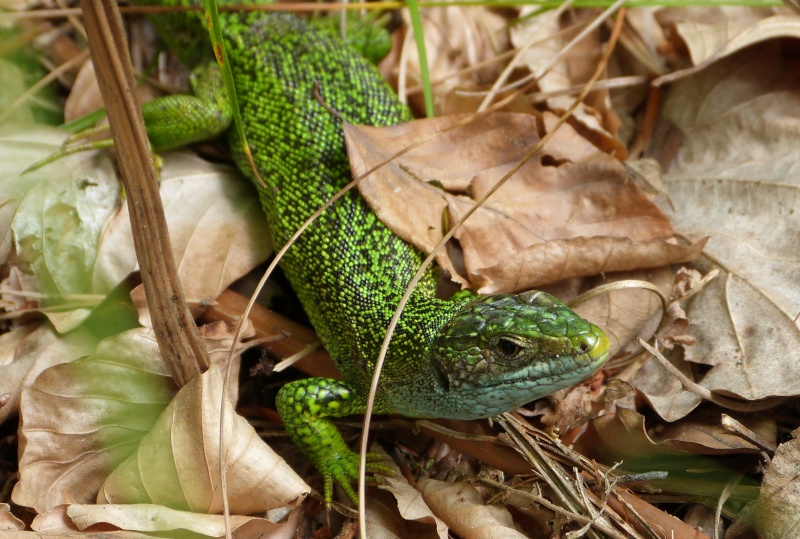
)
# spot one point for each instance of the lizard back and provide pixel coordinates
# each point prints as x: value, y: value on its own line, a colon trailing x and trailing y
x: 348, y: 269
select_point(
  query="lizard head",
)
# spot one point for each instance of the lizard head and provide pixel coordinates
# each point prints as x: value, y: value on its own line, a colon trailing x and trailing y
x: 500, y: 352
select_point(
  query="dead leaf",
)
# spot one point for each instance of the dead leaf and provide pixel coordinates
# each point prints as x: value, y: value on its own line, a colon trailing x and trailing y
x: 159, y: 519
x: 54, y: 521
x: 29, y: 350
x: 53, y: 216
x: 177, y: 462
x: 84, y: 96
x: 461, y: 507
x: 107, y: 424
x: 577, y: 257
x: 542, y: 37
x: 702, y: 433
x: 20, y: 291
x: 82, y: 419
x: 64, y: 221
x: 777, y: 510
x: 624, y: 436
x: 628, y: 313
x: 7, y: 520
x: 461, y: 44
x: 729, y: 147
x: 665, y: 393
x: 216, y: 226
x: 551, y: 198
x: 722, y: 33
x: 411, y: 505
x: 409, y: 502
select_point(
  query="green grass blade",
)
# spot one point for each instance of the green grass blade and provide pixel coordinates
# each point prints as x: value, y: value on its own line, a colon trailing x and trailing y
x: 419, y: 39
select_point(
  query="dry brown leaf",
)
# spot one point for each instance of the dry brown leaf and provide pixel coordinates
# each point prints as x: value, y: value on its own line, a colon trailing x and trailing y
x: 712, y: 34
x: 777, y: 513
x: 54, y: 521
x: 577, y: 257
x: 624, y: 436
x: 53, y: 216
x: 456, y: 40
x: 702, y: 433
x: 729, y: 148
x: 19, y: 290
x: 159, y: 519
x: 461, y: 507
x: 81, y: 419
x: 551, y: 198
x: 216, y: 228
x: 84, y: 98
x: 627, y: 313
x: 410, y: 504
x: 177, y: 462
x: 544, y: 37
x: 64, y: 222
x: 109, y: 417
x: 665, y: 393
x: 29, y: 350
x: 412, y: 507
x: 384, y: 520
x: 7, y: 520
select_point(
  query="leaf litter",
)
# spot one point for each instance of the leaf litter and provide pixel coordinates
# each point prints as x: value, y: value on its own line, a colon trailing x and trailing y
x: 726, y: 140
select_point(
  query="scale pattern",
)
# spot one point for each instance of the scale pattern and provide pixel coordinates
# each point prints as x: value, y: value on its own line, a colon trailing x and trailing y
x: 463, y: 358
x: 348, y: 266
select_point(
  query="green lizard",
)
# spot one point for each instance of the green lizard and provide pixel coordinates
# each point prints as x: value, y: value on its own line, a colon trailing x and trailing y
x: 463, y: 358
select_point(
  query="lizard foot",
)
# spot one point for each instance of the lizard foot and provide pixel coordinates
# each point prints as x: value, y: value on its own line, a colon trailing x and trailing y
x: 342, y: 469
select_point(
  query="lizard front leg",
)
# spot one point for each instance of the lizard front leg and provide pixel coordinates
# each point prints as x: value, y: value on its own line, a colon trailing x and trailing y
x: 178, y: 120
x: 304, y: 406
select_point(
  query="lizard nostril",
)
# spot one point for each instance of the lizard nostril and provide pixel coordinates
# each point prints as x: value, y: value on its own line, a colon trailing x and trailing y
x: 587, y: 341
x: 595, y: 344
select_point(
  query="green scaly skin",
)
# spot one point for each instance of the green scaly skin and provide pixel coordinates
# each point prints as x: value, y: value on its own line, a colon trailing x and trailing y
x: 462, y: 359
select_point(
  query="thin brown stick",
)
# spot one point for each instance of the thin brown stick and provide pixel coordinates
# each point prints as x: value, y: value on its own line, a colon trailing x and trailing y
x: 178, y: 339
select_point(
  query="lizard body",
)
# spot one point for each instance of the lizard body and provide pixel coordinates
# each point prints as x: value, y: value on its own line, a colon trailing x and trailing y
x: 461, y: 358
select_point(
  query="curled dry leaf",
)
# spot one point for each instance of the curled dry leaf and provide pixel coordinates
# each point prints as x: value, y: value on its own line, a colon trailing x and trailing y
x: 411, y: 505
x: 159, y: 519
x: 409, y: 502
x: 53, y: 216
x: 555, y: 196
x: 720, y: 33
x: 729, y: 148
x: 108, y: 423
x: 627, y: 313
x: 29, y: 350
x: 623, y: 436
x: 82, y: 419
x: 216, y: 228
x: 543, y: 38
x: 65, y: 221
x: 461, y: 507
x: 7, y: 520
x: 54, y: 521
x: 460, y: 44
x: 574, y: 258
x: 665, y: 392
x: 777, y: 513
x: 177, y: 462
x: 84, y: 97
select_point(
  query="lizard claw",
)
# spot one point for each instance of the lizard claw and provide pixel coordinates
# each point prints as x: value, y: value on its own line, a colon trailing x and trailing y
x: 342, y: 470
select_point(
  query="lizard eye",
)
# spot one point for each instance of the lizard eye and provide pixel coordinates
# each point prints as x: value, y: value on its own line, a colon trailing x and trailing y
x: 508, y: 348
